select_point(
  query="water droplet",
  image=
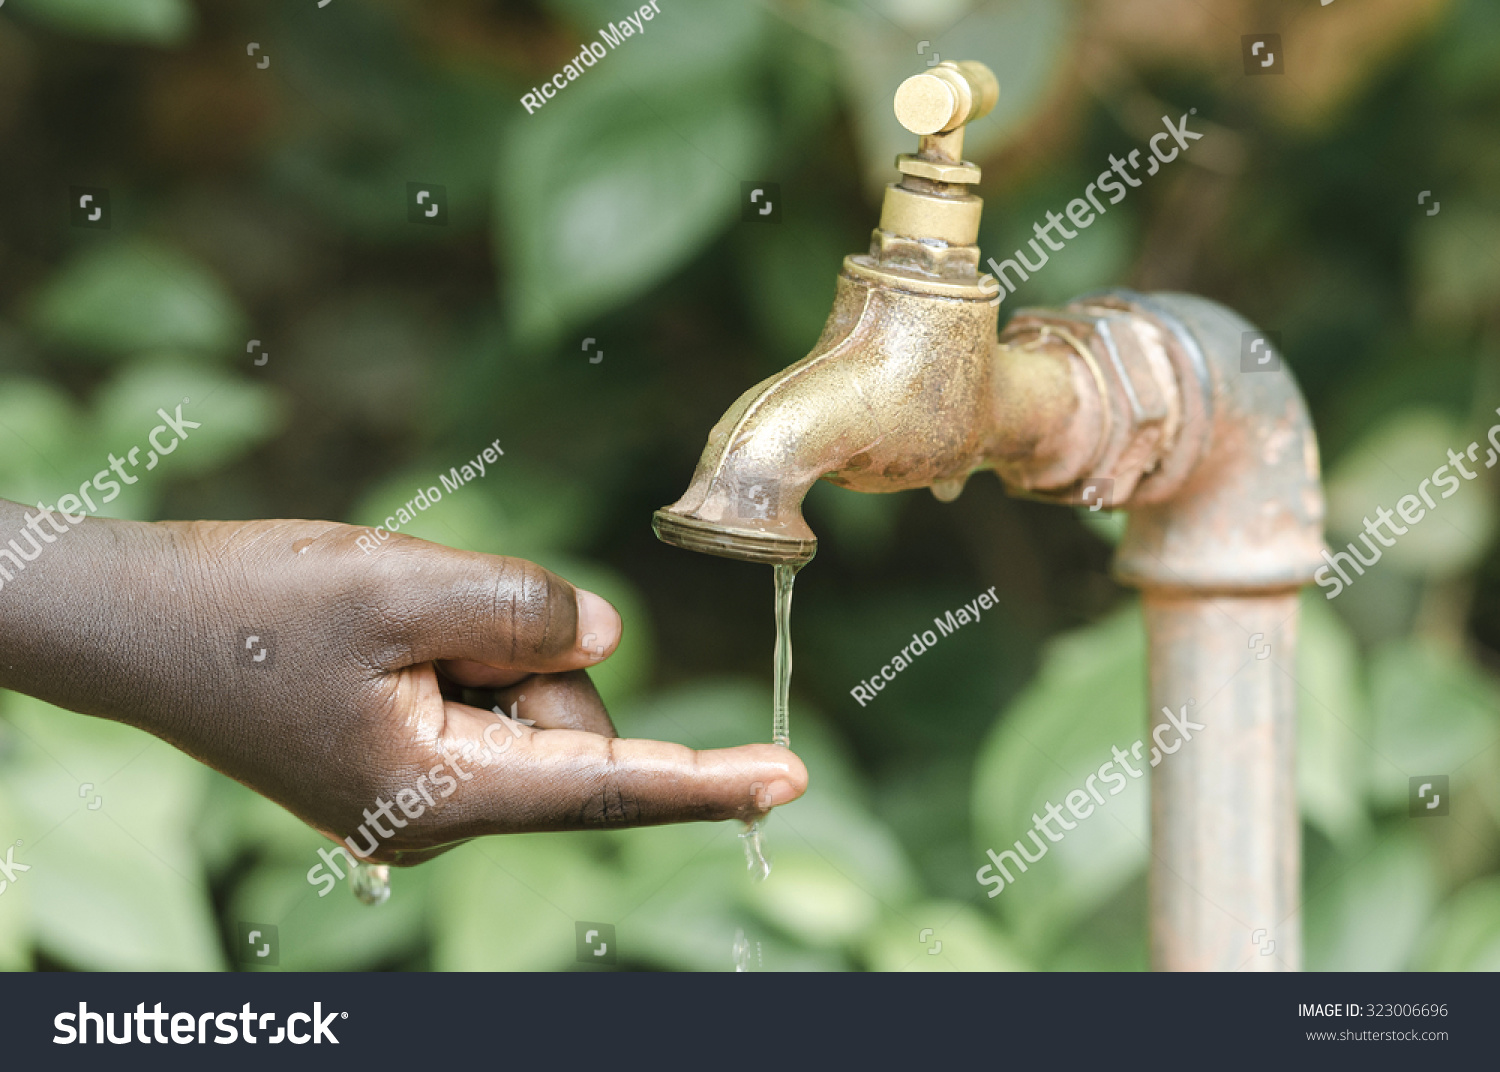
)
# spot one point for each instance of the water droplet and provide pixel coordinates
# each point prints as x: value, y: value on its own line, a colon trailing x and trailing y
x: 948, y: 490
x: 371, y: 883
x: 755, y: 852
x: 741, y: 951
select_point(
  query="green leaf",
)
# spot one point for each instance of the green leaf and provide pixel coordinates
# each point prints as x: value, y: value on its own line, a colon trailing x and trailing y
x: 686, y: 893
x: 235, y: 413
x: 676, y: 899
x: 1098, y: 256
x: 52, y: 448
x: 1332, y: 730
x: 117, y: 887
x: 1457, y: 263
x: 235, y: 819
x: 834, y: 868
x: 515, y: 509
x: 815, y: 902
x: 690, y: 920
x: 150, y: 22
x: 1112, y: 938
x: 374, y: 119
x: 1108, y: 525
x: 685, y: 896
x: 788, y: 276
x: 624, y: 176
x: 691, y: 42
x: 1367, y: 913
x: 961, y: 939
x: 1435, y: 712
x: 1088, y: 697
x: 328, y: 929
x: 509, y: 904
x: 136, y: 295
x: 1394, y: 461
x: 15, y: 898
x: 1466, y: 932
x: 39, y: 441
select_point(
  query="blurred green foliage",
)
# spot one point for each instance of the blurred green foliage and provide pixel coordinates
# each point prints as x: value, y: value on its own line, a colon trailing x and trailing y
x: 267, y: 203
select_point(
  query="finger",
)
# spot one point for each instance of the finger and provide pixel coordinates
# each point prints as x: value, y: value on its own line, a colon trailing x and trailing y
x: 518, y: 779
x: 393, y: 857
x: 566, y: 701
x: 502, y: 613
x: 558, y: 702
x: 412, y: 857
x: 474, y: 675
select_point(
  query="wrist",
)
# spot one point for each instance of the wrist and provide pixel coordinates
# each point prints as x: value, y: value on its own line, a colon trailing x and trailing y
x: 71, y: 591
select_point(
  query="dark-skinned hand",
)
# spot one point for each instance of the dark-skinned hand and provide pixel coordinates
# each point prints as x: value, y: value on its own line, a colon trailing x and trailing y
x: 356, y: 703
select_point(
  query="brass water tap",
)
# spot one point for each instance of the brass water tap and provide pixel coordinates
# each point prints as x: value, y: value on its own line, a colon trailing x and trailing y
x: 908, y: 387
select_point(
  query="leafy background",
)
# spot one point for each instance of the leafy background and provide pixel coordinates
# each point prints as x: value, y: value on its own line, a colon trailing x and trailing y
x: 269, y: 203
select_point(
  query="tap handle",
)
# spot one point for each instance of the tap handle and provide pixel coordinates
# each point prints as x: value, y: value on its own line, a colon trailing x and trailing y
x: 943, y: 99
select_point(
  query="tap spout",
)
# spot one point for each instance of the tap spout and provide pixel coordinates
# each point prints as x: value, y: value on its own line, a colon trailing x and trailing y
x: 899, y: 392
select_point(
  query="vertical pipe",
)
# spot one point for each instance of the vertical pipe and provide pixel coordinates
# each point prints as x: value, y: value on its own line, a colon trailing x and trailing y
x: 1226, y: 844
x: 1220, y: 560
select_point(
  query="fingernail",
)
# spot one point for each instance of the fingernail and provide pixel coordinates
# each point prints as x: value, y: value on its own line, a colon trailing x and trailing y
x: 780, y: 792
x: 598, y: 624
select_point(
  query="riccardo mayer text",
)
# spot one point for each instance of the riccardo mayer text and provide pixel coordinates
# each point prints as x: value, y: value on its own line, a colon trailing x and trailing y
x: 612, y: 35
x: 430, y: 496
x: 947, y: 625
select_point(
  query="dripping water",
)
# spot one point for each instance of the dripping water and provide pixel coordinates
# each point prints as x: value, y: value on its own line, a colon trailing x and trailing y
x: 371, y: 883
x: 753, y: 837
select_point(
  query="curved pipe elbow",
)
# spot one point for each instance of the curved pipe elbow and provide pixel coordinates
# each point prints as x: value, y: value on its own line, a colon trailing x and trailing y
x: 1249, y: 514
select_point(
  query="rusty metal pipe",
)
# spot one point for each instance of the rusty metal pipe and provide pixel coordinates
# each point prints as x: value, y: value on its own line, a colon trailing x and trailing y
x: 1220, y: 563
x: 1225, y: 844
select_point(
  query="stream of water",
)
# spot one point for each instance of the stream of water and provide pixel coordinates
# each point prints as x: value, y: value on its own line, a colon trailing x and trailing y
x: 754, y: 835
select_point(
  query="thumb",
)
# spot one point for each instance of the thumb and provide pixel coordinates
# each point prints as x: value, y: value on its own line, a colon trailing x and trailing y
x: 500, y: 613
